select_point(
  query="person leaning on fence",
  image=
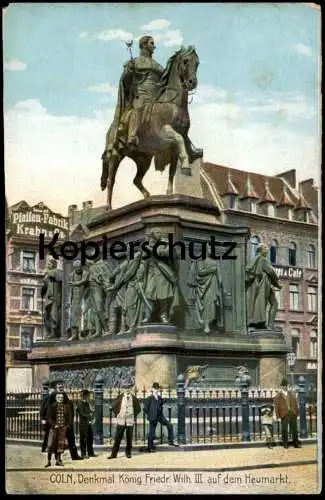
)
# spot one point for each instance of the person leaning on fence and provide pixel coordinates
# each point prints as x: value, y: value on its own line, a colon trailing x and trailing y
x: 58, y: 418
x: 126, y: 407
x: 70, y: 431
x: 267, y: 420
x: 86, y: 414
x: 286, y: 409
x: 153, y: 408
x: 43, y: 416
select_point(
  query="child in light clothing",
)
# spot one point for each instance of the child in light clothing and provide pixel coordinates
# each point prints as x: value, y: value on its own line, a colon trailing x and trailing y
x: 267, y: 419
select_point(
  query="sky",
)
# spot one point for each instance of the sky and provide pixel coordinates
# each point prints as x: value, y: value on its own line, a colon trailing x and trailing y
x: 256, y: 107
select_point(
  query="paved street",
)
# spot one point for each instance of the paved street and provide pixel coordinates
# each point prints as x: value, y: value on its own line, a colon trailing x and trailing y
x: 245, y: 470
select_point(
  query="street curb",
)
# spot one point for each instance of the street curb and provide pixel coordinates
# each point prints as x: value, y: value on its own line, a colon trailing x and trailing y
x: 186, y: 447
x: 237, y: 468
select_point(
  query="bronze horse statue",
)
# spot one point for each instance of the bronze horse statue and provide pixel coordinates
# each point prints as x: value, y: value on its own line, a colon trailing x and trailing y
x: 164, y: 124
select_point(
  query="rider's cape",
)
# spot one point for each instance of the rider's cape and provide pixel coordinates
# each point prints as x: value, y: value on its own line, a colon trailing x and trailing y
x: 124, y: 99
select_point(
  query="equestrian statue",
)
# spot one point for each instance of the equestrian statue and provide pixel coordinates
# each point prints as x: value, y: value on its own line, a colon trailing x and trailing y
x: 151, y: 118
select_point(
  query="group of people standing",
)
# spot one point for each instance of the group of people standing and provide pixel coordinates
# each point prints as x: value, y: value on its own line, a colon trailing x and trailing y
x: 57, y: 418
x: 57, y: 415
x: 127, y: 407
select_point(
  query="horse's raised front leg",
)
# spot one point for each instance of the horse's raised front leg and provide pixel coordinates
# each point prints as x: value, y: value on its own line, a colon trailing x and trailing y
x: 170, y: 135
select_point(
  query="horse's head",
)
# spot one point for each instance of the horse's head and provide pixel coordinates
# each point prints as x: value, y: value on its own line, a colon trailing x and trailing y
x: 181, y: 69
x: 187, y: 64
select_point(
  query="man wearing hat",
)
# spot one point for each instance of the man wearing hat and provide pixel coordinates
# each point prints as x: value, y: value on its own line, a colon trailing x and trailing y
x: 86, y: 414
x: 59, y: 388
x: 266, y: 412
x: 43, y: 414
x: 153, y: 408
x: 126, y: 407
x: 287, y: 409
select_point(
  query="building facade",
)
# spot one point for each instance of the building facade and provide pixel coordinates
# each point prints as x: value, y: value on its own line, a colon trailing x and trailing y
x: 284, y: 216
x: 25, y: 271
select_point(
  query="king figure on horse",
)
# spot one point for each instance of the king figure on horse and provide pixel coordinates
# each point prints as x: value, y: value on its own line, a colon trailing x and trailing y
x: 151, y: 116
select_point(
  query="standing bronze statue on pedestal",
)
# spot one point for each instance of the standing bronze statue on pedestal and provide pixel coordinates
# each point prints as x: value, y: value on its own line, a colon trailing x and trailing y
x: 261, y: 278
x: 206, y: 293
x: 51, y: 293
x: 78, y: 283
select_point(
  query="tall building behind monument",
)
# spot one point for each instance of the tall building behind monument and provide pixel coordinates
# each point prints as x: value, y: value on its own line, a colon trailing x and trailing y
x: 282, y: 214
x: 25, y: 272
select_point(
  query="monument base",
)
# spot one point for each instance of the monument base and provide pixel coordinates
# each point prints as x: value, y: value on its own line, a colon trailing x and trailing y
x: 272, y: 369
x: 161, y: 368
x: 188, y: 181
x: 159, y: 352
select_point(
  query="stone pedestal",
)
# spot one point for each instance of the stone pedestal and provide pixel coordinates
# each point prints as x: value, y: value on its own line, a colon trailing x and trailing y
x: 272, y: 369
x: 151, y: 368
x: 159, y: 352
x: 188, y: 181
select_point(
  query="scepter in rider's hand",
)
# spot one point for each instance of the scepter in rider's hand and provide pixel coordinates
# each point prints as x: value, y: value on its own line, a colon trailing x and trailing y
x: 129, y: 46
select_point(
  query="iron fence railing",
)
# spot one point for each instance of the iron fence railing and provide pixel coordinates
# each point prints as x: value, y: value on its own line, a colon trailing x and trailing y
x: 208, y: 416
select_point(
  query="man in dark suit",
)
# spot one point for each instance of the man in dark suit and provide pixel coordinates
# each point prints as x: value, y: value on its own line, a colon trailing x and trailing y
x: 287, y: 410
x: 153, y: 408
x: 43, y: 415
x: 126, y: 407
x: 86, y: 414
x: 59, y: 388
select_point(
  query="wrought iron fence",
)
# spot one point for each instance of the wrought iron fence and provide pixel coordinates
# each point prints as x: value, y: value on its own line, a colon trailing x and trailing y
x: 198, y: 416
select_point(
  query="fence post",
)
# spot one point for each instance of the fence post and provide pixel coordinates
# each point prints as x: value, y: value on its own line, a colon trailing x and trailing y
x: 244, y: 381
x: 302, y: 407
x: 45, y: 388
x: 180, y: 388
x: 99, y: 403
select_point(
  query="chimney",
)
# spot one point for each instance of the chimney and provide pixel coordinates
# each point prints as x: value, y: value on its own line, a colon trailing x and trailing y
x: 306, y: 183
x: 87, y: 205
x: 71, y: 211
x: 290, y: 177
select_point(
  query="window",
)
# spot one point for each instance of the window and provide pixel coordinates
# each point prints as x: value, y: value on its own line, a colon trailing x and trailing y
x: 27, y: 299
x: 253, y: 206
x: 313, y: 344
x: 295, y: 342
x: 255, y: 241
x: 294, y: 297
x: 273, y: 251
x: 312, y: 299
x: 270, y: 210
x: 15, y: 260
x: 13, y: 340
x: 15, y: 298
x: 279, y: 297
x: 232, y: 201
x: 292, y: 254
x: 26, y: 337
x: 38, y: 333
x: 311, y: 256
x: 28, y: 261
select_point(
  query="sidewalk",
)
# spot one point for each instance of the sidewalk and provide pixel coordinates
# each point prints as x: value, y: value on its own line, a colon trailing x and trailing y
x: 249, y: 470
x: 31, y: 458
